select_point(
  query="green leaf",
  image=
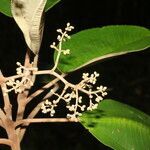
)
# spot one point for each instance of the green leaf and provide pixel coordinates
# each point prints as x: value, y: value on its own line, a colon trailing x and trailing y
x: 5, y: 7
x: 119, y: 126
x: 100, y: 43
x: 50, y: 4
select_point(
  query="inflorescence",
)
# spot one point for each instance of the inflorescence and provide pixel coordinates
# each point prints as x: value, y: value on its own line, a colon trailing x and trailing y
x: 25, y: 81
x: 72, y: 94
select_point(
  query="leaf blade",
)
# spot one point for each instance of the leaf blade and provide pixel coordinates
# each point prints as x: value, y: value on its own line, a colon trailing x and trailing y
x: 29, y: 15
x: 119, y: 126
x: 5, y: 7
x: 100, y: 43
x: 50, y: 4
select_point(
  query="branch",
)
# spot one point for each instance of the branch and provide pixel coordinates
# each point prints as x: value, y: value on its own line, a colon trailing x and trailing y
x: 35, y: 64
x: 5, y: 141
x: 59, y: 52
x: 2, y: 117
x: 21, y: 98
x: 7, y: 104
x: 33, y: 113
x: 38, y: 92
x: 2, y: 78
x: 2, y: 114
x: 0, y: 121
x: 49, y: 94
x: 53, y: 73
x: 44, y: 120
x: 38, y: 107
x: 27, y: 59
x: 21, y: 104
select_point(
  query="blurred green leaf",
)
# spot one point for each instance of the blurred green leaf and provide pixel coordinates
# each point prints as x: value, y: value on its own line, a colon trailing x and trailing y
x: 5, y: 7
x: 119, y: 126
x: 100, y: 43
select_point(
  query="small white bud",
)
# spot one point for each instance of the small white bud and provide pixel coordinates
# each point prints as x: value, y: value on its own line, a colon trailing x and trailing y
x: 59, y: 30
x: 18, y: 63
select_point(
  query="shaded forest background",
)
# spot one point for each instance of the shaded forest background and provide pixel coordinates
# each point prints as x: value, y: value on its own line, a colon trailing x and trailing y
x: 127, y: 77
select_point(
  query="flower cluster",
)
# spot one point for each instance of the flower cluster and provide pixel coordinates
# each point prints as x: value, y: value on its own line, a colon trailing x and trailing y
x: 73, y: 97
x: 25, y: 79
x: 87, y: 83
x: 62, y: 37
x: 47, y: 106
x: 73, y: 94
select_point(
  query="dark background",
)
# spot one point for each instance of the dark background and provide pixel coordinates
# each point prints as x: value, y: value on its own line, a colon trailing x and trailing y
x: 127, y: 77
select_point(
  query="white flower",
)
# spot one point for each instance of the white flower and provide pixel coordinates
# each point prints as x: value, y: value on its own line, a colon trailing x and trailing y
x: 83, y: 108
x: 95, y: 106
x: 69, y: 27
x: 53, y: 45
x: 66, y: 52
x: 96, y: 74
x: 80, y: 99
x: 59, y: 31
x: 59, y: 38
x: 85, y: 76
x: 98, y: 99
x: 67, y: 95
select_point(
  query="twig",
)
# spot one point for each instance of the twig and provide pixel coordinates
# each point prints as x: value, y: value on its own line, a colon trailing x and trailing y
x: 34, y: 73
x: 38, y: 107
x: 44, y: 120
x: 59, y: 52
x: 2, y: 115
x: 22, y: 96
x: 35, y: 63
x: 27, y: 59
x: 21, y: 105
x: 5, y: 141
x: 33, y: 113
x: 38, y: 92
x: 7, y: 104
x: 2, y: 78
x: 1, y: 123
x: 49, y: 94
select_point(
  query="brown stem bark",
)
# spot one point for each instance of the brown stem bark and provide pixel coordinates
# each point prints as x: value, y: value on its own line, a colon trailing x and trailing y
x: 12, y: 134
x: 15, y: 143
